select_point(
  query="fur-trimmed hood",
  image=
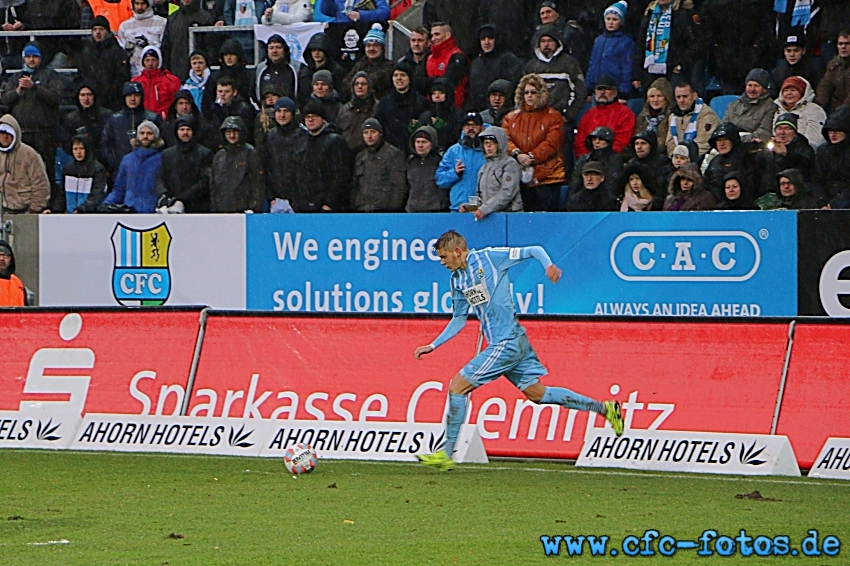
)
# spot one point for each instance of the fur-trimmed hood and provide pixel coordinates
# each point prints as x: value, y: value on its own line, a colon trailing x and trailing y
x: 542, y: 91
x: 686, y: 171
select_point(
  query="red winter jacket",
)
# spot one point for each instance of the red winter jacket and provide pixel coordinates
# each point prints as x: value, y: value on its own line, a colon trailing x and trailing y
x: 447, y: 60
x: 616, y: 116
x: 160, y: 86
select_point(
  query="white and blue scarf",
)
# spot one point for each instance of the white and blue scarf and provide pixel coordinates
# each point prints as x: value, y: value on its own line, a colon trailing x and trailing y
x: 658, y: 40
x: 802, y: 14
x: 691, y: 131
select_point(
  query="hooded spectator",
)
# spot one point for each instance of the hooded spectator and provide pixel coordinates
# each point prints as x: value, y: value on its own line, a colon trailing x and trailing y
x: 788, y: 150
x: 831, y: 186
x: 442, y: 114
x: 499, y: 178
x: 281, y: 152
x: 83, y: 178
x: 590, y: 195
x: 796, y: 62
x: 447, y: 60
x: 229, y: 103
x: 606, y: 111
x: 142, y: 30
x: 644, y: 149
x: 379, y: 69
x: 380, y: 173
x: 159, y: 84
x: 346, y: 11
x: 613, y: 51
x: 655, y: 115
x: 87, y: 118
x: 353, y: 113
x: 728, y: 154
x: 404, y: 105
x: 461, y: 15
x: 183, y: 105
x: 792, y: 191
x: 575, y: 36
x: 600, y: 146
x: 491, y: 64
x: 103, y: 64
x: 264, y: 121
x: 175, y: 37
x: 185, y: 173
x: 237, y: 180
x: 666, y: 43
x: 561, y: 73
x: 26, y: 188
x: 512, y: 18
x: 278, y: 68
x: 535, y: 135
x: 12, y: 290
x: 692, y: 120
x: 737, y: 193
x: 425, y: 195
x: 318, y: 57
x: 417, y: 57
x: 686, y: 191
x: 323, y: 91
x: 796, y: 96
x: 500, y: 102
x: 199, y: 75
x: 458, y: 170
x: 639, y: 193
x: 232, y: 62
x: 753, y: 111
x: 122, y: 126
x: 135, y: 183
x: 834, y: 87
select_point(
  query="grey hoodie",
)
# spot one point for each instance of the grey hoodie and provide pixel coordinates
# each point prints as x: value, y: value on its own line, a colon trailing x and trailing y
x: 498, y: 179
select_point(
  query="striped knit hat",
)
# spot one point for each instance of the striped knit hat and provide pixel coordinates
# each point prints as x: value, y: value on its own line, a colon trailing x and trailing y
x: 618, y: 9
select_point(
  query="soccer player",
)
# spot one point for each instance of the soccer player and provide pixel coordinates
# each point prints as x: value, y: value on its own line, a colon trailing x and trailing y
x: 480, y: 280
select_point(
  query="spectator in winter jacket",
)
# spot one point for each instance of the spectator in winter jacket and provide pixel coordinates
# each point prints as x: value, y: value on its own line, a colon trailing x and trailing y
x: 447, y: 60
x: 831, y: 187
x: 492, y: 63
x: 644, y: 149
x: 103, y: 64
x: 199, y: 74
x: 562, y: 75
x: 791, y: 188
x: 185, y: 173
x: 380, y: 173
x: 654, y: 117
x: 575, y: 39
x: 417, y: 57
x: 727, y: 154
x: 232, y: 62
x: 121, y: 128
x: 175, y: 36
x: 12, y: 290
x: 639, y: 192
x: 135, y: 183
x: 834, y: 87
x: 513, y: 20
x: 144, y: 29
x: 425, y: 195
x: 753, y: 112
x: 737, y: 193
x: 318, y: 57
x: 691, y: 119
x: 458, y: 170
x: 401, y: 108
x: 350, y: 118
x: 374, y: 64
x: 323, y: 91
x: 88, y: 118
x: 796, y: 96
x: 606, y: 111
x: 278, y: 68
x: 281, y: 151
x: 796, y: 62
x: 237, y: 180
x: 83, y: 178
x: 600, y: 146
x: 347, y: 12
x: 686, y: 191
x: 264, y: 121
x: 323, y: 166
x: 666, y: 44
x: 26, y: 188
x: 613, y: 52
x: 159, y: 84
x: 590, y: 195
x: 788, y: 150
x: 499, y: 178
x: 229, y: 103
x: 460, y: 15
x: 442, y: 115
x: 535, y: 136
x: 32, y: 97
x: 500, y: 102
x: 182, y: 106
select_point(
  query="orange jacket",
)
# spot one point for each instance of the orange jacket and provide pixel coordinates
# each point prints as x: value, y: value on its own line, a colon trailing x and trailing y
x: 540, y: 132
x: 12, y: 292
x: 115, y: 12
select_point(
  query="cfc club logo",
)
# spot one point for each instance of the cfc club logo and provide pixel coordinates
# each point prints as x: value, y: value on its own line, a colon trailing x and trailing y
x: 140, y: 276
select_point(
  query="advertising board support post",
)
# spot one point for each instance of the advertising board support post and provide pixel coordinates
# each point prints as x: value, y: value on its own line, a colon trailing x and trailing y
x: 196, y: 358
x: 784, y: 377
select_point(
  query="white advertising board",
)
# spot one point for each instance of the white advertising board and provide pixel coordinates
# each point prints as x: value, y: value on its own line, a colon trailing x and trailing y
x: 833, y: 462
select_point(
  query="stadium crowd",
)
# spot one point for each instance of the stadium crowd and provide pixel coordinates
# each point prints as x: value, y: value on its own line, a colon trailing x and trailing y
x: 498, y: 105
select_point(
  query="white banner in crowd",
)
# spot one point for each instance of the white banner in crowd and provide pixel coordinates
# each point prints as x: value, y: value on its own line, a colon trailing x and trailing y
x: 833, y: 462
x: 700, y: 452
x: 142, y: 260
x: 297, y: 36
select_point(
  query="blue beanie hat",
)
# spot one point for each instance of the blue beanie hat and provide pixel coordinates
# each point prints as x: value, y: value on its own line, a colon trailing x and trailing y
x: 284, y: 102
x: 31, y: 49
x: 618, y: 9
x: 376, y: 34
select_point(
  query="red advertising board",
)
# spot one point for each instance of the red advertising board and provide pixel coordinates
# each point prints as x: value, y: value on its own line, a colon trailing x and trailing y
x: 816, y: 389
x: 108, y: 361
x: 676, y: 376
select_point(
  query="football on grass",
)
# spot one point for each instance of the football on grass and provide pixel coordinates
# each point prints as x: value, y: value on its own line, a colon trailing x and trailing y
x: 300, y: 459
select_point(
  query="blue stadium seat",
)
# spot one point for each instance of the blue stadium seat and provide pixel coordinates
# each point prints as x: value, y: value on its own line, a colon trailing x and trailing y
x: 583, y: 110
x: 719, y: 104
x: 636, y: 105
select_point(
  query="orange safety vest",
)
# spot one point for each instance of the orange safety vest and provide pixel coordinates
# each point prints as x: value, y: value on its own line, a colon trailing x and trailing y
x: 115, y: 12
x: 12, y: 292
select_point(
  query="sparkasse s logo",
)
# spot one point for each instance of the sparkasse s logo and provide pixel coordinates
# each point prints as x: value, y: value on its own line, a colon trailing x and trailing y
x: 140, y: 275
x: 706, y: 255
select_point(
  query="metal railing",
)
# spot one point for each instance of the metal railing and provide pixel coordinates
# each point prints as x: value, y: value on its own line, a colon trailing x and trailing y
x: 33, y: 35
x: 258, y: 55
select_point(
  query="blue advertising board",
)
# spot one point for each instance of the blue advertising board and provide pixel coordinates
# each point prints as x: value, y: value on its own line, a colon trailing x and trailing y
x: 655, y: 264
x: 662, y: 264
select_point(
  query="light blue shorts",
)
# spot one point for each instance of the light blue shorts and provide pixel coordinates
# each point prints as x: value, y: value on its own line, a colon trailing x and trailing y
x: 514, y: 358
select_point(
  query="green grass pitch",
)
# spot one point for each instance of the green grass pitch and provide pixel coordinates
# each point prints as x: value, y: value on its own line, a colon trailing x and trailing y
x: 144, y: 509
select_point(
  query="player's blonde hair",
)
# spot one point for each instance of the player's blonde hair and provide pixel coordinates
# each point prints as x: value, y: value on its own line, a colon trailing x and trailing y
x: 449, y: 241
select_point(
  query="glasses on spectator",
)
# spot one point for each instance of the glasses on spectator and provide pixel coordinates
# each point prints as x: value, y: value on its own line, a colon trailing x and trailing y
x: 844, y: 43
x: 529, y: 92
